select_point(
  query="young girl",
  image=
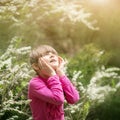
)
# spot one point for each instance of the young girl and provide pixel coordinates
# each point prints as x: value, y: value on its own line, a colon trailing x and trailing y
x: 51, y: 86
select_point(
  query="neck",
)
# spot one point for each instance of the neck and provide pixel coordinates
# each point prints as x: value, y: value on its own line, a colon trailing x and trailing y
x: 43, y: 76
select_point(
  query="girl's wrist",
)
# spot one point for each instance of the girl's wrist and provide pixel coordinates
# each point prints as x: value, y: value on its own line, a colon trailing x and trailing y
x: 52, y: 74
x: 60, y: 73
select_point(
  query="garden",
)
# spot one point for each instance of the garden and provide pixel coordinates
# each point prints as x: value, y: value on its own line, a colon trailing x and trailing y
x: 84, y: 32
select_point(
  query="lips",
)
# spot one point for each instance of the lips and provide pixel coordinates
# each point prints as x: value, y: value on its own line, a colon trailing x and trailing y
x: 53, y: 60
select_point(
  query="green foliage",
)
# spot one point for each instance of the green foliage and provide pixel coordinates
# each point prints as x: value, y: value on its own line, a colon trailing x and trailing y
x: 63, y: 24
x: 87, y: 60
x: 67, y: 25
x: 41, y: 20
x: 101, y: 83
x: 107, y: 110
x: 14, y: 76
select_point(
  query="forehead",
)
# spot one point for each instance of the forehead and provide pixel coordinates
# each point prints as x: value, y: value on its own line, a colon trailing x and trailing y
x: 45, y: 49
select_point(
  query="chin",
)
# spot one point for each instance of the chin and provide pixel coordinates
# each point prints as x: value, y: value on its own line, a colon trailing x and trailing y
x: 54, y: 66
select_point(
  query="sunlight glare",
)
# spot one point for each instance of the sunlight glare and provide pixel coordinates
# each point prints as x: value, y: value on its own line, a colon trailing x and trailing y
x: 99, y: 1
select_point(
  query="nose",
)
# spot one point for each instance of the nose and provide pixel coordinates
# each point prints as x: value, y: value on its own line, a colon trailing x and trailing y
x: 51, y: 54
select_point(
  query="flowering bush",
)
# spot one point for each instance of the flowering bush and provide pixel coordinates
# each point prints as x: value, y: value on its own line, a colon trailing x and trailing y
x: 102, y: 83
x: 102, y: 86
x: 14, y: 75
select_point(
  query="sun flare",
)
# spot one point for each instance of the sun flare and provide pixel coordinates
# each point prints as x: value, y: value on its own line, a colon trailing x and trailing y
x: 99, y: 1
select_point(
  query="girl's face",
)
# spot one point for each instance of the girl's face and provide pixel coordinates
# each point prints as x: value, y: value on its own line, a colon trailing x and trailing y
x: 51, y: 59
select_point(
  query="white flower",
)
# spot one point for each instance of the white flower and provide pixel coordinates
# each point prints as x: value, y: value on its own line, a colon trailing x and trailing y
x: 7, y: 63
x: 117, y: 85
x: 76, y: 75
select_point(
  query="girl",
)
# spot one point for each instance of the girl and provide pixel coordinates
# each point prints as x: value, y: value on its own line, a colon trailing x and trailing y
x: 51, y: 86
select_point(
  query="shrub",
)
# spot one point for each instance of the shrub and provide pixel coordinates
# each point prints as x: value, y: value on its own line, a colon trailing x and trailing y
x: 14, y: 75
x: 89, y: 59
x: 97, y: 85
x: 102, y: 82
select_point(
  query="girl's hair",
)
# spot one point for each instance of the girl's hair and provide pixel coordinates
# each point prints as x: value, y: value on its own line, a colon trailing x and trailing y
x: 40, y: 51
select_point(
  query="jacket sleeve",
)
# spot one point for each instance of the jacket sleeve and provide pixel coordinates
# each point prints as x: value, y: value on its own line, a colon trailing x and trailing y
x: 71, y: 93
x: 52, y: 92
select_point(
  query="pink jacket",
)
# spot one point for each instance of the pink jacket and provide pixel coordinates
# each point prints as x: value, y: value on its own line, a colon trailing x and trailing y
x: 47, y: 97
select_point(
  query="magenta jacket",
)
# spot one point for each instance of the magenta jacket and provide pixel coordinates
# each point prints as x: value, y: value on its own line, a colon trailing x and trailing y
x: 47, y: 97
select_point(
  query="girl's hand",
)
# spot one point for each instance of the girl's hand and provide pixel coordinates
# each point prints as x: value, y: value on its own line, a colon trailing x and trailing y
x: 61, y: 66
x: 45, y: 68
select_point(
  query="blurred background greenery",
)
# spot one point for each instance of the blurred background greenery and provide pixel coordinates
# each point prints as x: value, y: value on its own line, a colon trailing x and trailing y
x: 56, y: 23
x: 84, y: 31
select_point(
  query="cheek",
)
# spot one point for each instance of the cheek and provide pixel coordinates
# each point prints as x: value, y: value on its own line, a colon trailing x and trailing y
x: 45, y: 58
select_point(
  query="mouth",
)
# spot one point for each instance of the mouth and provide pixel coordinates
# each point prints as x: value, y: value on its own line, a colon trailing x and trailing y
x: 53, y: 60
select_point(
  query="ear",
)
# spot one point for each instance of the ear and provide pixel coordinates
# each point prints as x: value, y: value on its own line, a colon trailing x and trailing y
x: 35, y: 67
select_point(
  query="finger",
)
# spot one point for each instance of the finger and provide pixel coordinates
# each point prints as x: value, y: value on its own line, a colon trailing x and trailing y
x: 40, y: 63
x: 44, y: 63
x: 61, y: 60
x: 65, y: 61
